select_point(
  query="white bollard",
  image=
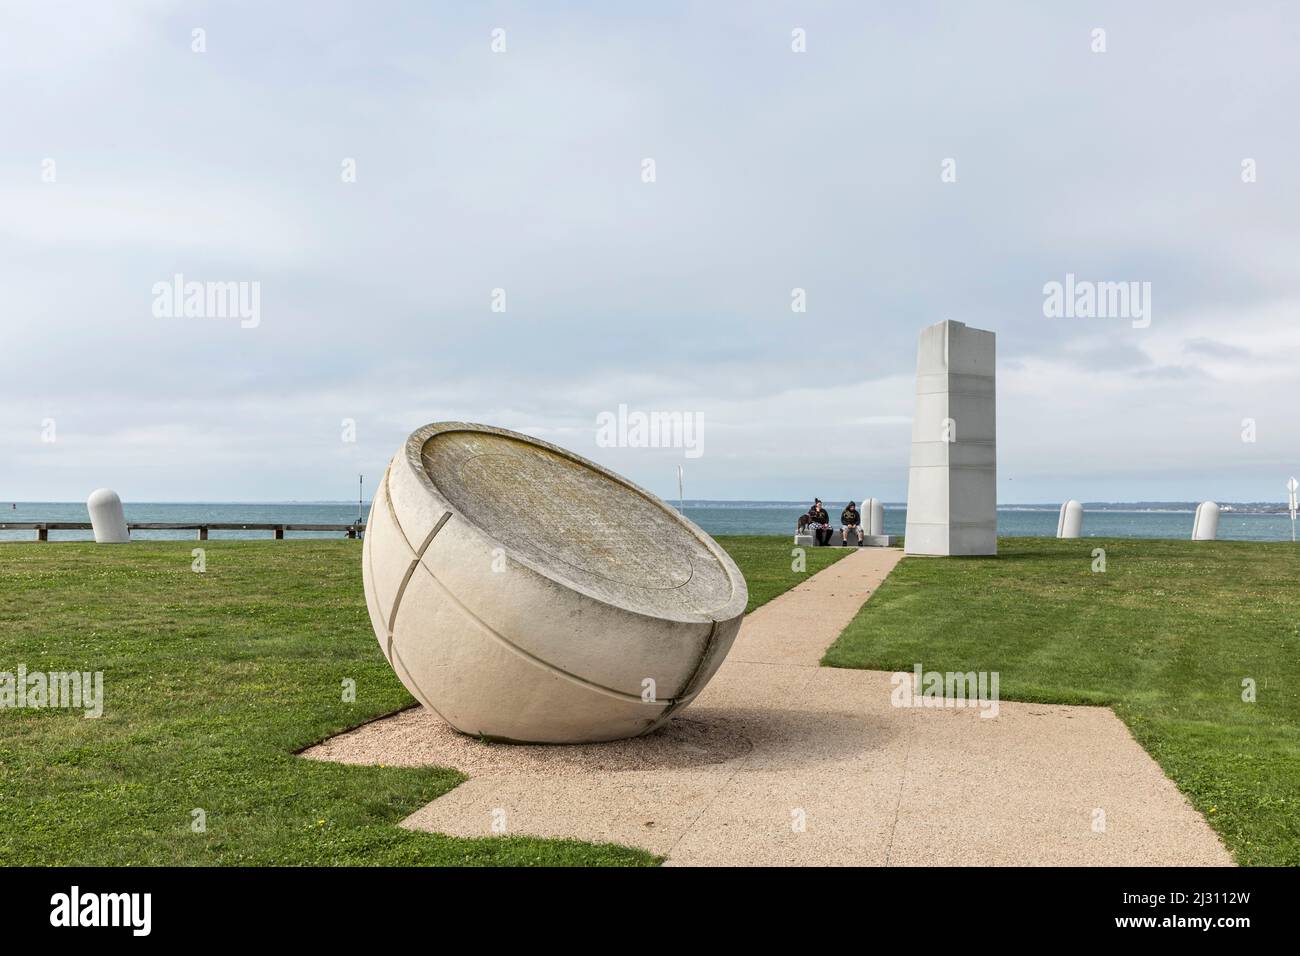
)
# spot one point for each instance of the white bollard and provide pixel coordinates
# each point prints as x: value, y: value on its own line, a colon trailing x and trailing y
x: 873, y: 516
x: 1206, y: 525
x: 1070, y: 523
x: 106, y: 517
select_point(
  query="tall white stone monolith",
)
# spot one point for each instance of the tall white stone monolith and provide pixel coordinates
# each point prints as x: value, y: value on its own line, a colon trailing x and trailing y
x: 107, y: 518
x: 952, y: 505
x: 1070, y: 523
x: 1206, y: 525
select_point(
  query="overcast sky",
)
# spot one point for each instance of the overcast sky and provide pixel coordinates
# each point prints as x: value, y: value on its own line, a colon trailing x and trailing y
x: 522, y: 170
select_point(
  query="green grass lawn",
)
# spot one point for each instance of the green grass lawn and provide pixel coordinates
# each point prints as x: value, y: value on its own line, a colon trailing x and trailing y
x: 212, y: 682
x: 766, y: 561
x: 1165, y: 636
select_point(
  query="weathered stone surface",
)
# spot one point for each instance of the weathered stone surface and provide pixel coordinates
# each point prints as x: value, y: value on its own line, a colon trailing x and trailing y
x: 525, y: 593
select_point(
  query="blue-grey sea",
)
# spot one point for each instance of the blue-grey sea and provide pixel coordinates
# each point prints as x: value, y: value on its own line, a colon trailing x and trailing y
x: 715, y: 517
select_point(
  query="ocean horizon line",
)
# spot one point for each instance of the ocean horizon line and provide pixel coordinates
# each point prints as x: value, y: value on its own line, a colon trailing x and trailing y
x: 1117, y: 506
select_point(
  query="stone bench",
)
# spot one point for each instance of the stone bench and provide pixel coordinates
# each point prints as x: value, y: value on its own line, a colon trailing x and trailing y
x: 838, y: 541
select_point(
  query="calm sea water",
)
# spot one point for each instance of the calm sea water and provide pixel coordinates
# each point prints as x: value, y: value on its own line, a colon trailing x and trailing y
x: 780, y: 517
x: 755, y: 517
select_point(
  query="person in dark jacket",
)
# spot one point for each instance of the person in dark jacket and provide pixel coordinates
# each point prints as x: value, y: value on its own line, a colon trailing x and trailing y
x: 820, y: 522
x: 850, y: 522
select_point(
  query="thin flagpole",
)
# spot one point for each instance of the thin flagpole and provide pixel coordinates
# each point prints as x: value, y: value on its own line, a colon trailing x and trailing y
x: 1291, y: 487
x: 1291, y: 504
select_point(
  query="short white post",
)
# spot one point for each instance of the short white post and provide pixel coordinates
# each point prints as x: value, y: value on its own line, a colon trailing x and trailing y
x: 107, y: 518
x: 1291, y: 487
x: 1206, y: 525
x: 873, y: 513
x: 1070, y: 523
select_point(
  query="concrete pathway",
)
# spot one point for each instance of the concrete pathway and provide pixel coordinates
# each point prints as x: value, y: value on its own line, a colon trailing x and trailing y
x: 782, y: 762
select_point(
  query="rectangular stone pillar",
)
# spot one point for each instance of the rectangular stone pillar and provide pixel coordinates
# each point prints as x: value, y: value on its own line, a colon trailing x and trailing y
x: 952, y: 502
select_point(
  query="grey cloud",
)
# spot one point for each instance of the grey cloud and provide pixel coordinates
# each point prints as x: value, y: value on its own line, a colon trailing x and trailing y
x: 775, y: 171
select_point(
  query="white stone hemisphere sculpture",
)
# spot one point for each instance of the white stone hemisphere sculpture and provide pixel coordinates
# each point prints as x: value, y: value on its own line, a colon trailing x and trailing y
x: 524, y: 593
x: 107, y: 519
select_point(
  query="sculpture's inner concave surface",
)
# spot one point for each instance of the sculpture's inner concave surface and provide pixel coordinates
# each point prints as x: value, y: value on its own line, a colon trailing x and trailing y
x: 577, y: 523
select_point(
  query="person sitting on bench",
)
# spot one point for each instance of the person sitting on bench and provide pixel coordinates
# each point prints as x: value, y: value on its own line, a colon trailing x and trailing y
x: 820, y: 523
x: 851, y: 521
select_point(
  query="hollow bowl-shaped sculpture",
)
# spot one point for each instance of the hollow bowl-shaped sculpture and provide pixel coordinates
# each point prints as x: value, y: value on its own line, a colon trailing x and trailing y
x: 526, y: 594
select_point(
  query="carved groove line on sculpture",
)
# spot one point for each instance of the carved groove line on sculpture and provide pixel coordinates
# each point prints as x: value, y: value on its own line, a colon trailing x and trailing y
x: 420, y: 696
x: 406, y: 578
x: 687, y: 694
x: 705, y: 656
x: 531, y: 658
x: 386, y: 501
x: 419, y: 556
x: 381, y: 496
